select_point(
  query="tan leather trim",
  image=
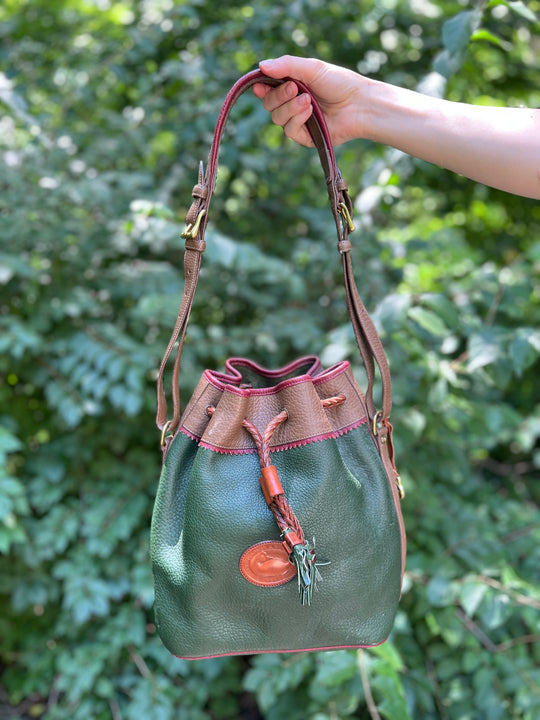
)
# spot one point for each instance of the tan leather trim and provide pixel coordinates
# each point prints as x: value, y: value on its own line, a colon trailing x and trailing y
x: 302, y: 399
x: 266, y: 564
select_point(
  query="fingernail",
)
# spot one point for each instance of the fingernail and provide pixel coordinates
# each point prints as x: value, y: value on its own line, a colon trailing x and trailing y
x: 267, y: 63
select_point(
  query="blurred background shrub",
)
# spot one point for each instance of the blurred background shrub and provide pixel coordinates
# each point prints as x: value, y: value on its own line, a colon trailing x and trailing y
x: 106, y: 109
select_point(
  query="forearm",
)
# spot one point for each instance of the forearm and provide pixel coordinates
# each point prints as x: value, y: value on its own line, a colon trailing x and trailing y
x: 496, y: 146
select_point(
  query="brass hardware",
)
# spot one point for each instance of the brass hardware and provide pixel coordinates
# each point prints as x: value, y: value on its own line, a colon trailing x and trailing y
x: 346, y: 215
x: 165, y: 430
x: 376, y: 422
x: 193, y: 228
x: 400, y: 487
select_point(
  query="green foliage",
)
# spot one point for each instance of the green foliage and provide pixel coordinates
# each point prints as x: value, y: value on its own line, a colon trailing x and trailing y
x: 107, y: 109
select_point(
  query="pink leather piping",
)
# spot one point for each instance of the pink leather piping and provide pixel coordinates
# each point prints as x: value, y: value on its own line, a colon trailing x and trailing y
x: 275, y: 448
x: 264, y: 652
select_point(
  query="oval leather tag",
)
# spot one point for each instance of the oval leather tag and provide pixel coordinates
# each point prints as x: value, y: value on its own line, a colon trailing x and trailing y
x: 266, y: 564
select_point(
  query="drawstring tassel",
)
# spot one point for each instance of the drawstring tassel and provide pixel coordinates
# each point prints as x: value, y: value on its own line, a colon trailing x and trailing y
x: 303, y: 556
x: 301, y: 553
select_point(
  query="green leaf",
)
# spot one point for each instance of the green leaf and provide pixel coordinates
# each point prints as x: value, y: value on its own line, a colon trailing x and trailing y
x: 471, y: 595
x: 524, y: 349
x: 12, y: 499
x: 441, y: 592
x: 485, y: 35
x: 447, y: 64
x: 386, y: 680
x: 11, y: 534
x: 11, y: 266
x: 389, y: 655
x: 495, y: 610
x: 484, y: 349
x: 223, y: 249
x: 443, y: 307
x: 393, y: 704
x: 457, y: 31
x: 9, y: 443
x: 335, y: 668
x: 522, y: 10
x: 428, y: 320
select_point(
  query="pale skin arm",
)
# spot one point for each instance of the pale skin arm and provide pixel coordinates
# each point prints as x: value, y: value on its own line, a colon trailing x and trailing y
x: 495, y: 146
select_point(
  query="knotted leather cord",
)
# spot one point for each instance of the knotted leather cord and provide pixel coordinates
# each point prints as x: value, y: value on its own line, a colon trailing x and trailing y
x: 301, y: 552
x: 282, y: 511
x: 279, y: 505
x: 262, y: 441
x: 366, y: 335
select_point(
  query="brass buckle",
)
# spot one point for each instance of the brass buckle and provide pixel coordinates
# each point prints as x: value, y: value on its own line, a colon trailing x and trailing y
x: 376, y: 422
x: 346, y: 215
x: 191, y: 229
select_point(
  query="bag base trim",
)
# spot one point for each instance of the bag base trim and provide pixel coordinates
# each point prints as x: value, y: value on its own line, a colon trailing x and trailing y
x: 287, y: 651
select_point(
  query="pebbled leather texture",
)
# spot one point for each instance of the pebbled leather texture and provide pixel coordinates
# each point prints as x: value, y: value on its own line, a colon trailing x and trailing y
x: 210, y: 509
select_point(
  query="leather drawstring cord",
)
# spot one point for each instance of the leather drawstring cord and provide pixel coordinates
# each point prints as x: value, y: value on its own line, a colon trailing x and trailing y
x: 301, y: 552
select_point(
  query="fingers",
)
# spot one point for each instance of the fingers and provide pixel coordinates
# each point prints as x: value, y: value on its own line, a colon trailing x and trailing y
x: 274, y: 68
x: 304, y: 69
x: 273, y: 97
x: 261, y: 90
x: 284, y: 113
x: 295, y: 126
x: 289, y: 110
x: 280, y: 96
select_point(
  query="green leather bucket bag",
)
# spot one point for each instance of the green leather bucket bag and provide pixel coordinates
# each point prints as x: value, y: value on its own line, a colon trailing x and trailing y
x: 277, y: 524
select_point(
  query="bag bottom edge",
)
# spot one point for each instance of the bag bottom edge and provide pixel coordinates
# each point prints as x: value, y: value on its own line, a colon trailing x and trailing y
x: 284, y: 651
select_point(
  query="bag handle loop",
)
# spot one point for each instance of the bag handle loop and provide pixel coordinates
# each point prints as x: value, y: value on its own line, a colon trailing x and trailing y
x: 367, y: 338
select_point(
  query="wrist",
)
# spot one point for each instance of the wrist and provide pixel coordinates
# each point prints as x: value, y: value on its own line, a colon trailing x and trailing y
x: 375, y: 107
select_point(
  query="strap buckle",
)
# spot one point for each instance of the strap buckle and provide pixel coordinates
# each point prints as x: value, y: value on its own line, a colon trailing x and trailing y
x: 346, y: 215
x: 191, y: 229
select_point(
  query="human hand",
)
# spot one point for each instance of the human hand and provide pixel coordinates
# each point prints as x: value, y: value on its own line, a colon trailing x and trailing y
x: 492, y: 145
x: 336, y: 89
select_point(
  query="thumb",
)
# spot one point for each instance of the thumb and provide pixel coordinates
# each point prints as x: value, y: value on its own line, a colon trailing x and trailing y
x: 297, y: 68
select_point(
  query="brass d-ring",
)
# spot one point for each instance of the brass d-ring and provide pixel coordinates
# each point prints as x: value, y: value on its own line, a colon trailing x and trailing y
x: 376, y: 422
x: 164, y: 432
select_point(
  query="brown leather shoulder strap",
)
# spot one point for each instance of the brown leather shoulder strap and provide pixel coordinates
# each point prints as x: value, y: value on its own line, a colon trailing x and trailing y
x: 203, y: 192
x: 368, y: 341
